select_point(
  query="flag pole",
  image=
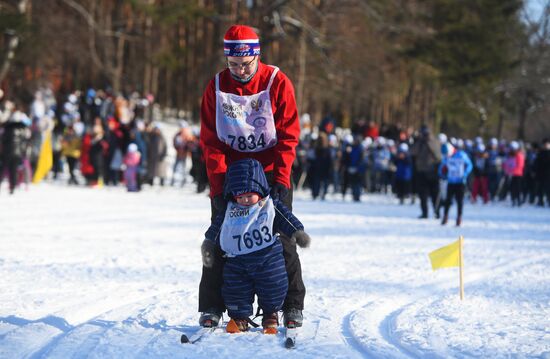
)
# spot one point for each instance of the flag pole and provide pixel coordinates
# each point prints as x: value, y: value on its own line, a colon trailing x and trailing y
x: 461, y: 265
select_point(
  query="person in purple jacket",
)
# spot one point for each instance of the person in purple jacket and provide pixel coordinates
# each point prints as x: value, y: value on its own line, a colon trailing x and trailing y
x: 456, y: 169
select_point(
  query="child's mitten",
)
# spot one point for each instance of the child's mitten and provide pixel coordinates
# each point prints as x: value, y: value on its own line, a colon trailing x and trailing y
x: 301, y: 238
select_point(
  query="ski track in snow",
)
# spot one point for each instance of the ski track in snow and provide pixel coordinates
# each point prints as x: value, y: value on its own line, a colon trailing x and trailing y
x: 371, y: 292
x: 83, y: 339
x: 388, y: 344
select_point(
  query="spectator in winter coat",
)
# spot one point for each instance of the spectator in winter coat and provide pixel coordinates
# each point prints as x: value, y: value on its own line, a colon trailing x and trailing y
x: 70, y: 144
x: 247, y: 233
x: 447, y: 150
x: 156, y: 155
x: 542, y: 172
x: 494, y: 168
x: 513, y: 168
x: 86, y: 168
x: 131, y: 162
x: 427, y: 156
x: 180, y: 143
x: 353, y: 167
x: 97, y: 153
x: 371, y: 130
x: 249, y: 111
x: 403, y: 173
x: 320, y: 167
x: 456, y: 169
x: 481, y: 168
x: 381, y: 157
x: 198, y: 165
x: 14, y: 145
x: 114, y: 138
x: 137, y: 135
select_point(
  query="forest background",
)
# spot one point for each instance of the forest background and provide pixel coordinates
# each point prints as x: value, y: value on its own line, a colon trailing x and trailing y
x: 464, y: 67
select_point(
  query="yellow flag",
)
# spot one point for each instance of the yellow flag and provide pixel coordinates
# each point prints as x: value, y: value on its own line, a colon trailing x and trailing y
x: 448, y: 256
x: 45, y: 159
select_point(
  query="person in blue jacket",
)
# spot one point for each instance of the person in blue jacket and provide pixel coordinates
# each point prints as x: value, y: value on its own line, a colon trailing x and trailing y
x: 455, y: 169
x: 247, y: 233
x: 403, y: 172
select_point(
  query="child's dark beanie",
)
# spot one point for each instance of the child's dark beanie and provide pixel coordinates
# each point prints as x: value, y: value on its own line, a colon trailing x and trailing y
x: 245, y: 176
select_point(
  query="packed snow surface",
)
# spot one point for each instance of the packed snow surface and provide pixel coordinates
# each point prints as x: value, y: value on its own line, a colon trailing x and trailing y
x: 102, y: 273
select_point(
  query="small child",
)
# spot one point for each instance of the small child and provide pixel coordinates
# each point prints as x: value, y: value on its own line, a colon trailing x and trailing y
x: 131, y: 162
x: 248, y: 235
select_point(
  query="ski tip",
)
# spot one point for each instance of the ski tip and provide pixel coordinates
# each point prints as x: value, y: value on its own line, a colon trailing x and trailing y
x: 184, y: 339
x: 289, y: 343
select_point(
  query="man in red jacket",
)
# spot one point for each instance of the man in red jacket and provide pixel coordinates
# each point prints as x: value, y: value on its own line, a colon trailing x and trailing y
x: 249, y: 111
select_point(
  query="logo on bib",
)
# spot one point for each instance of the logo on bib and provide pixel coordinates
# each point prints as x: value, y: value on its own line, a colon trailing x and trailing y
x: 256, y: 105
x: 259, y: 122
x: 234, y: 111
x: 262, y: 218
x: 239, y: 212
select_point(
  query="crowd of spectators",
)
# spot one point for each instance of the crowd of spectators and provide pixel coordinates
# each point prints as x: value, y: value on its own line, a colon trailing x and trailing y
x: 99, y: 138
x: 102, y: 139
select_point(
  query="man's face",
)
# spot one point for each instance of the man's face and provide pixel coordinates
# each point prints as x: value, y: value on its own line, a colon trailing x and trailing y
x: 242, y: 67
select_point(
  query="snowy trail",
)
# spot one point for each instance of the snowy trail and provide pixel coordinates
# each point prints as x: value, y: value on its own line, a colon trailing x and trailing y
x: 103, y: 274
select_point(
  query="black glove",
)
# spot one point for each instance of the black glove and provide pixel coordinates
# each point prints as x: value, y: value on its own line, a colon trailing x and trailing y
x: 207, y: 250
x: 301, y: 238
x: 219, y: 203
x: 278, y: 191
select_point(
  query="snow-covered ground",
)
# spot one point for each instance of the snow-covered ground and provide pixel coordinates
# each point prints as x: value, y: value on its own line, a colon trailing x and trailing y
x: 101, y: 273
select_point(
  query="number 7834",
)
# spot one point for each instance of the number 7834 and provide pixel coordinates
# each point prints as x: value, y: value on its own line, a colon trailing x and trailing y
x: 249, y: 142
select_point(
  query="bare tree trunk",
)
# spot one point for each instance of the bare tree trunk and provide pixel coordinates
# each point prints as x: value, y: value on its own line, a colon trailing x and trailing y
x: 119, y: 64
x: 500, y: 125
x: 148, y: 53
x: 409, y: 102
x: 522, y: 117
x: 302, y: 61
x: 12, y: 44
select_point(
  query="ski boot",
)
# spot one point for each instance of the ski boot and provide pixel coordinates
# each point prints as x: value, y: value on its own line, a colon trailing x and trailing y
x: 270, y: 323
x: 293, y: 318
x: 210, y: 318
x: 237, y: 326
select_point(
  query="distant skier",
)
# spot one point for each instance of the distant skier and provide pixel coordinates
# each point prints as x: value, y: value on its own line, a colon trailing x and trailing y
x: 456, y: 168
x: 248, y: 235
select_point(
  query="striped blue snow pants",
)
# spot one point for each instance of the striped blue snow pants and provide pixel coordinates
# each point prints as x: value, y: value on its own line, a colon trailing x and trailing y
x: 262, y: 273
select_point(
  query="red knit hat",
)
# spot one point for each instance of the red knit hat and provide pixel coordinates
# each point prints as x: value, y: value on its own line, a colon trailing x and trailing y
x: 241, y: 40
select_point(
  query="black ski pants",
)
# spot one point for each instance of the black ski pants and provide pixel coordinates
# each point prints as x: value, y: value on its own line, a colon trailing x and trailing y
x: 11, y: 163
x: 428, y: 186
x: 515, y: 190
x: 455, y: 190
x: 210, y: 294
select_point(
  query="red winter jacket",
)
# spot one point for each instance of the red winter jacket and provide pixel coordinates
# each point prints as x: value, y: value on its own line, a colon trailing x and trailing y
x: 278, y: 158
x: 513, y: 166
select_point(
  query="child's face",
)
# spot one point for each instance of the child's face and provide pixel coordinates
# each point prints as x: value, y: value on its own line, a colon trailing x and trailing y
x: 247, y: 199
